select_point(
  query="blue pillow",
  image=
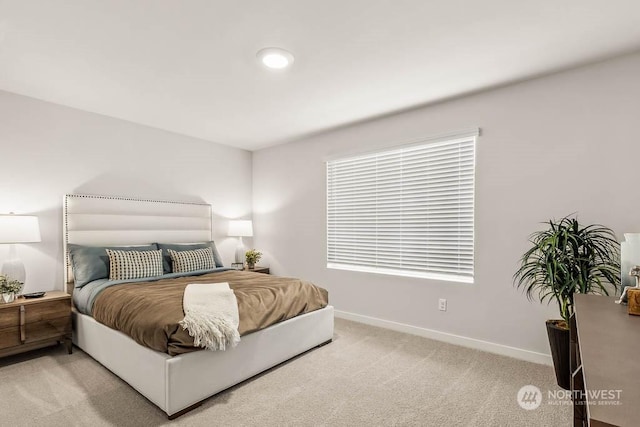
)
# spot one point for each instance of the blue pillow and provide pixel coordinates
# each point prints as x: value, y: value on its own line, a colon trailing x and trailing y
x: 178, y: 247
x: 91, y: 263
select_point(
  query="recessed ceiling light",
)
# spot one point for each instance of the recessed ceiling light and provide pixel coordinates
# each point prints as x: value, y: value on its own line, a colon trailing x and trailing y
x: 275, y: 58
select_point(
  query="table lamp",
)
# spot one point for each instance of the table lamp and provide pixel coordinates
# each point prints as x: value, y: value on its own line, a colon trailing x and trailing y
x: 240, y: 229
x: 17, y: 229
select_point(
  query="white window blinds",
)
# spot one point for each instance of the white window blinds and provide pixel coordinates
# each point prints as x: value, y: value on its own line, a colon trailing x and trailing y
x: 406, y: 211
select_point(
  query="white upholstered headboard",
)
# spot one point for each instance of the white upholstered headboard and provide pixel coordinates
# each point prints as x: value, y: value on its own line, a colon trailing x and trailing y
x: 108, y: 220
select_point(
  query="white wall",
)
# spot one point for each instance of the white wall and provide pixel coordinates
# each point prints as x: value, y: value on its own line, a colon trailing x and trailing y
x: 47, y: 150
x: 549, y: 147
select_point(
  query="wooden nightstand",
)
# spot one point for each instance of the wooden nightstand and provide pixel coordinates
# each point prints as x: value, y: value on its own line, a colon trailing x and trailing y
x: 258, y: 269
x: 27, y: 324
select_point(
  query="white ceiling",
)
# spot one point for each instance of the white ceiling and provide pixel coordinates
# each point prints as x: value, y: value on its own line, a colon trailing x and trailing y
x: 189, y: 66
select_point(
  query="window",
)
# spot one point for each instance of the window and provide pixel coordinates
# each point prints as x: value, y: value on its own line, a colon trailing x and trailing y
x: 406, y: 211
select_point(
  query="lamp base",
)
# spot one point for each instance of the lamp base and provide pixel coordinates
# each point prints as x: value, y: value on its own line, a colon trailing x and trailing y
x: 240, y: 251
x: 14, y: 269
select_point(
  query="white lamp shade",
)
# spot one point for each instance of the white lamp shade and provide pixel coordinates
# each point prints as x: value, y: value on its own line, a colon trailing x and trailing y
x: 240, y: 228
x: 19, y: 229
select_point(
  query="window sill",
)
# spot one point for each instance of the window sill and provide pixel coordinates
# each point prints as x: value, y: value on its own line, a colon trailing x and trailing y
x: 402, y: 273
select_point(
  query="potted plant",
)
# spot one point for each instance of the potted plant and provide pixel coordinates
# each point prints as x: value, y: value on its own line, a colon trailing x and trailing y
x: 252, y: 257
x: 9, y: 288
x: 566, y: 259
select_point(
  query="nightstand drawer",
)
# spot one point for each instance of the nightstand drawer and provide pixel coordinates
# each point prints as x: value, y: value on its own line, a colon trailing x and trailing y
x: 47, y: 329
x: 10, y: 317
x: 39, y: 331
x: 10, y: 337
x: 47, y: 310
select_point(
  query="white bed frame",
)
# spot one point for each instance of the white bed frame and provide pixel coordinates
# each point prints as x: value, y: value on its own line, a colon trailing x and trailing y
x: 179, y: 383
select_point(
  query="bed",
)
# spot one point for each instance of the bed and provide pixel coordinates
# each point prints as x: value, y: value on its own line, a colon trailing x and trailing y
x: 176, y: 384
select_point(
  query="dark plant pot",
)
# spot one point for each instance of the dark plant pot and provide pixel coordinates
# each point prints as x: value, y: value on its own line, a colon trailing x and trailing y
x: 559, y: 343
x: 251, y: 266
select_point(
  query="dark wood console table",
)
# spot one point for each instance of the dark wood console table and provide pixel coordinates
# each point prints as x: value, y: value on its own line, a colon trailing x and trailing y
x: 605, y: 348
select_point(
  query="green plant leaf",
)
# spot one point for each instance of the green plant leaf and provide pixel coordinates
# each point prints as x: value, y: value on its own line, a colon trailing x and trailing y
x: 567, y: 259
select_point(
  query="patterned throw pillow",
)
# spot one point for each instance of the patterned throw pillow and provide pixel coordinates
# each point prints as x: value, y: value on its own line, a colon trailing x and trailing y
x: 197, y: 259
x: 126, y: 265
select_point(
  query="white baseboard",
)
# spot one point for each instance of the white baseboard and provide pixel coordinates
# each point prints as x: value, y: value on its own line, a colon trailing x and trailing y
x: 504, y: 350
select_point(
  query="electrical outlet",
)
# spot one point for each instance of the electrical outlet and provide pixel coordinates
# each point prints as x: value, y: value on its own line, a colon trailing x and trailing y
x: 442, y: 304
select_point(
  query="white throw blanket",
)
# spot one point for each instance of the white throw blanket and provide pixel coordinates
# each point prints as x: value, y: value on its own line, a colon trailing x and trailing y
x: 211, y: 315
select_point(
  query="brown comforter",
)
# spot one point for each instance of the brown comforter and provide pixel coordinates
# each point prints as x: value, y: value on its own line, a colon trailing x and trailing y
x: 149, y: 312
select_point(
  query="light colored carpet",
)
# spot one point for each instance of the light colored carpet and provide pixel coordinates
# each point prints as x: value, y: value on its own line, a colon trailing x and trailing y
x: 367, y: 377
